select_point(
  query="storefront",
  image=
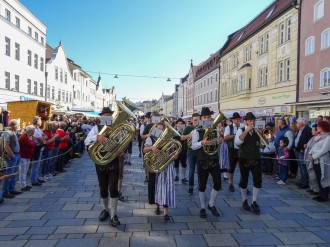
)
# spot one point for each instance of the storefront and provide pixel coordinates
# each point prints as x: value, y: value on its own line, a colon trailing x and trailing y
x: 311, y: 109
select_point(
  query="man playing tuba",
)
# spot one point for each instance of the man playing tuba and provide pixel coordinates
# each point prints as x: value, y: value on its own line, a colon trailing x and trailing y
x: 107, y: 175
x: 207, y: 164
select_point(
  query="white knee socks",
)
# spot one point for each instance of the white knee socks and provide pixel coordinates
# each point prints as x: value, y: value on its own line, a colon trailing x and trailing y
x: 213, y: 196
x: 113, y: 206
x: 202, y: 199
x: 255, y: 194
x: 244, y: 194
x: 105, y: 202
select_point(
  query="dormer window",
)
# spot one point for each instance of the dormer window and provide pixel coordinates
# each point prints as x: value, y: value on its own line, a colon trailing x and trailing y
x: 240, y: 36
x: 270, y: 12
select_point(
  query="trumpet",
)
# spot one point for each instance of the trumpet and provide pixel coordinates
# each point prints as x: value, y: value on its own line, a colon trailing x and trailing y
x: 264, y: 135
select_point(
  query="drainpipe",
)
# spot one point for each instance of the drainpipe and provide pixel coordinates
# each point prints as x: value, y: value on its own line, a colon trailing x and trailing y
x: 298, y: 55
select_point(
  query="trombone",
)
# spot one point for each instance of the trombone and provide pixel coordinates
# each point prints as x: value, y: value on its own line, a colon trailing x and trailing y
x: 264, y: 135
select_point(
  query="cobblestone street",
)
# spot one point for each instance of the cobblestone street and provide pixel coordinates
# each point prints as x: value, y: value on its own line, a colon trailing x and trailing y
x: 64, y: 212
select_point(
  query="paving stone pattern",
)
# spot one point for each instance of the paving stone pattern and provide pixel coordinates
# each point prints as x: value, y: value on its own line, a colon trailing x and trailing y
x: 64, y: 212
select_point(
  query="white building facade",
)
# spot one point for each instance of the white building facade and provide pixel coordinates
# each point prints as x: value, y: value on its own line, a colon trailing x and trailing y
x: 22, y: 53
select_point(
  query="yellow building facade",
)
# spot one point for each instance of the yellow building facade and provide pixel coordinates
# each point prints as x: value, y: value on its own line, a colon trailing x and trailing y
x: 258, y: 69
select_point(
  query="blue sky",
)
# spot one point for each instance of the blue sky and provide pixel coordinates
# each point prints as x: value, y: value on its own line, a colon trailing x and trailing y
x: 142, y: 37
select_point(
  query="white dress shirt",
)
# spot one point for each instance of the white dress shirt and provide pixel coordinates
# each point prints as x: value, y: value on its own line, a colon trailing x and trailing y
x: 92, y: 136
x: 238, y: 141
x: 227, y: 133
x: 195, y: 143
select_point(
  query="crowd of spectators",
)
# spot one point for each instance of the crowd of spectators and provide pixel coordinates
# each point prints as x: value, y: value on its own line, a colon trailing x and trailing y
x: 41, y: 150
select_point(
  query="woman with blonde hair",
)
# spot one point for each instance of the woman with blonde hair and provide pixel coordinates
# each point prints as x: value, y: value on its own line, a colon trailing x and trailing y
x: 49, y: 147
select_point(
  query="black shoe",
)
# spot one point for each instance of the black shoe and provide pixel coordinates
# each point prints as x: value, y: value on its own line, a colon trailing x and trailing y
x: 248, y: 192
x: 225, y: 178
x: 314, y: 193
x: 322, y: 199
x: 255, y: 208
x: 157, y: 211
x: 176, y: 178
x: 28, y: 186
x: 36, y: 184
x: 310, y: 190
x: 121, y: 197
x: 303, y: 186
x: 246, y: 206
x: 25, y: 189
x: 202, y: 213
x: 231, y: 188
x: 298, y: 184
x: 15, y: 193
x: 213, y: 210
x: 41, y: 180
x: 1, y: 200
x: 104, y: 215
x: 316, y: 197
x: 114, y: 221
x: 129, y: 163
x: 184, y: 181
x: 166, y: 217
x: 190, y: 191
x: 7, y: 195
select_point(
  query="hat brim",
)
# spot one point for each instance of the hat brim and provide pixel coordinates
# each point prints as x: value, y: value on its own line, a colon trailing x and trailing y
x: 111, y: 112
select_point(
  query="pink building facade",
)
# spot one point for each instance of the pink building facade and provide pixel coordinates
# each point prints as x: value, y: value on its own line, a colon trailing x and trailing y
x: 314, y: 63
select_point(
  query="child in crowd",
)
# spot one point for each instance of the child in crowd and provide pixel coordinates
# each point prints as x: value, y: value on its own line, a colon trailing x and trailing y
x: 282, y: 155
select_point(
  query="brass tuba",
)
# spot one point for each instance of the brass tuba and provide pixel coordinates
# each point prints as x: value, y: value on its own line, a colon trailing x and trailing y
x: 119, y: 135
x: 211, y: 134
x: 169, y: 148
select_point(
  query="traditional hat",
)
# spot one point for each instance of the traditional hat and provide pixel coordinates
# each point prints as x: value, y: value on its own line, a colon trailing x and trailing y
x: 236, y: 115
x: 250, y: 116
x: 180, y: 120
x: 106, y: 110
x: 270, y: 124
x: 206, y: 112
x: 148, y: 115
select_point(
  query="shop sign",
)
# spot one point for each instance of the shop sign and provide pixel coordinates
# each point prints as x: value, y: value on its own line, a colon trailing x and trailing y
x: 242, y: 113
x: 262, y: 101
x: 23, y: 98
x: 268, y: 111
x: 282, y: 96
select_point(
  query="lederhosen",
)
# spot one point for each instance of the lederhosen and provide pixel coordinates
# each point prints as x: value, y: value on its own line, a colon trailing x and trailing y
x: 108, y: 176
x: 248, y: 160
x: 152, y: 182
x: 207, y: 164
x: 182, y: 155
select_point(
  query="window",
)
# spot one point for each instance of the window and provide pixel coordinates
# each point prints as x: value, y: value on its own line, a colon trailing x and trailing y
x: 234, y: 85
x: 240, y: 36
x: 63, y: 95
x: 70, y: 98
x: 53, y: 93
x: 325, y: 42
x: 288, y: 29
x: 266, y: 42
x: 325, y: 78
x: 208, y: 81
x: 287, y: 69
x: 74, y: 76
x: 29, y: 57
x: 18, y: 22
x: 30, y: 31
x: 308, y: 85
x: 42, y: 40
x: 211, y: 80
x: 7, y: 40
x: 242, y: 82
x: 59, y: 95
x: 270, y: 12
x: 262, y: 44
x: 235, y: 60
x: 29, y: 86
x: 318, y: 10
x: 280, y: 71
x: 67, y: 96
x: 309, y: 46
x: 216, y: 77
x: 7, y: 15
x: 56, y: 73
x: 35, y: 88
x: 248, y: 52
x: 281, y: 33
x: 17, y: 83
x: 41, y: 63
x: 61, y: 75
x: 35, y: 61
x: 263, y: 77
x: 48, y: 92
x: 7, y: 80
x: 216, y: 95
x: 17, y: 51
x: 211, y: 97
x: 41, y: 89
x: 36, y: 36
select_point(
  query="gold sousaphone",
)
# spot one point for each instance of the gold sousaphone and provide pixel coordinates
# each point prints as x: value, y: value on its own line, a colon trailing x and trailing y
x: 211, y: 134
x: 169, y: 148
x: 119, y: 135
